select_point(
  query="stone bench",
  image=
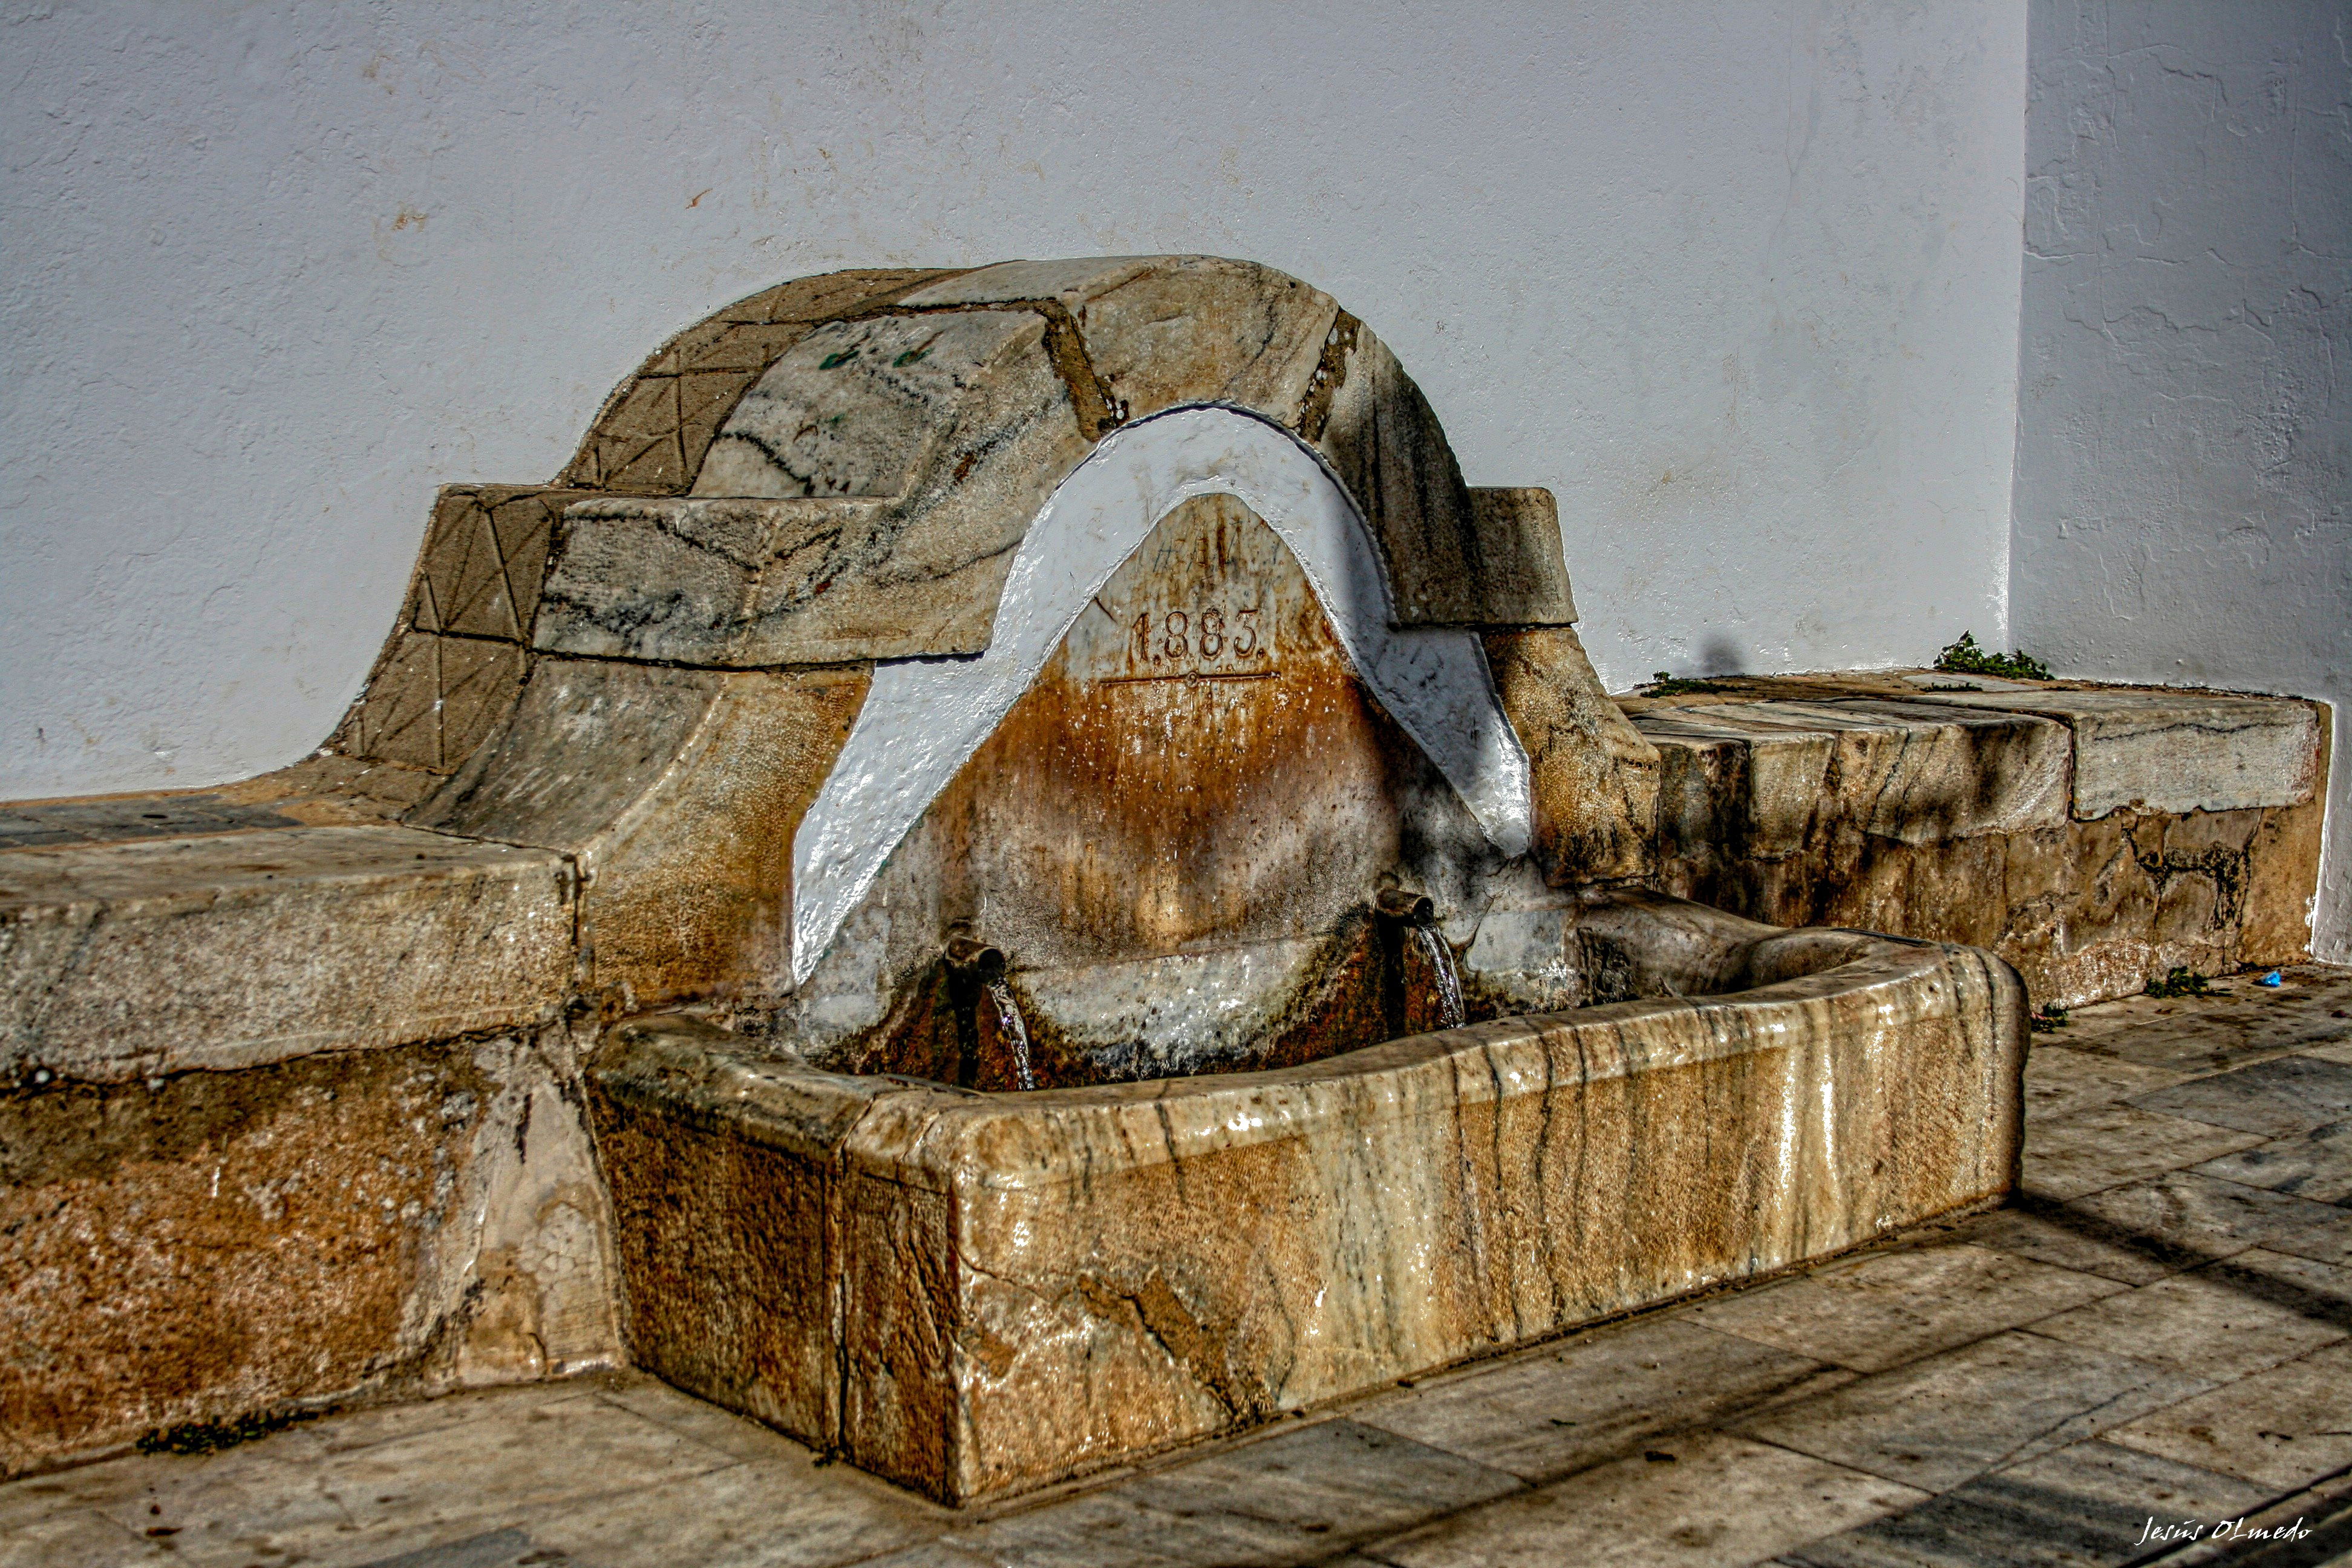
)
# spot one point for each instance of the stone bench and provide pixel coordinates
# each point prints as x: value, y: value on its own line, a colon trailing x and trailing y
x: 2093, y: 837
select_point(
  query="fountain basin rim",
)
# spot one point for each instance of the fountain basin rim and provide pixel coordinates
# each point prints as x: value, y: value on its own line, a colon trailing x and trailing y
x: 768, y: 1094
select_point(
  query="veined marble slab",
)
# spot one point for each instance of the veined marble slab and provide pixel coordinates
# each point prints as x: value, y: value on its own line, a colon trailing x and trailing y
x: 1904, y: 771
x: 120, y: 959
x: 2172, y: 751
x: 1026, y: 1287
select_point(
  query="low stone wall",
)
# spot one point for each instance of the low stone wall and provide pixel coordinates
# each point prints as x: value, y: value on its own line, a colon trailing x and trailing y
x: 2095, y: 837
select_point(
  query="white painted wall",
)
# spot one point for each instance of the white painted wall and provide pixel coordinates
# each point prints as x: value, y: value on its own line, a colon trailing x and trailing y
x: 1738, y: 280
x: 2184, y: 474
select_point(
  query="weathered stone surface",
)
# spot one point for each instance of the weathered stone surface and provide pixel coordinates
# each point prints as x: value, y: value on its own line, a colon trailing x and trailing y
x: 1880, y: 1311
x: 962, y: 418
x: 2173, y: 750
x: 431, y: 699
x: 1524, y: 580
x: 34, y: 825
x: 733, y: 583
x: 1176, y: 836
x: 479, y: 572
x: 1201, y: 328
x: 122, y: 960
x: 1900, y: 771
x: 1624, y: 1384
x: 676, y: 794
x: 1776, y: 808
x: 1276, y: 1268
x: 409, y: 1217
x: 1372, y: 424
x: 1941, y: 1421
x: 1595, y: 776
x: 652, y: 435
x: 1744, y: 1499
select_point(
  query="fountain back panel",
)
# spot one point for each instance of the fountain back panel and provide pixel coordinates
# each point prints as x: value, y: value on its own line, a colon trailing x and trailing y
x: 1211, y: 759
x: 1175, y: 837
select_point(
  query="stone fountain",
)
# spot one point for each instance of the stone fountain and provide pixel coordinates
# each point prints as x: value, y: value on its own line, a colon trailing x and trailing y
x: 1069, y: 883
x: 1208, y: 980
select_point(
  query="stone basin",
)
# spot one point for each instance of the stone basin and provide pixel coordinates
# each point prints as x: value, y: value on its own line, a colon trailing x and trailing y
x: 979, y: 1293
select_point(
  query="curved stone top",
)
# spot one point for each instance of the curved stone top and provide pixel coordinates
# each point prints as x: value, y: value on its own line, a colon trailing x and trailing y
x: 863, y: 494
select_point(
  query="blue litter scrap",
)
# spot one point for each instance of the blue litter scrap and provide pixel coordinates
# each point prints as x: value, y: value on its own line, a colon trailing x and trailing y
x: 2274, y: 979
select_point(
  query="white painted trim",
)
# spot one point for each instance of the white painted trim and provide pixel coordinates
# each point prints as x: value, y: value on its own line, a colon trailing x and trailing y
x: 924, y: 717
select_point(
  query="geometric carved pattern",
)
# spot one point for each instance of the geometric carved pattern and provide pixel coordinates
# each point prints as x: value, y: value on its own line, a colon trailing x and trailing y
x: 459, y: 654
x: 433, y: 699
x: 650, y: 437
x: 457, y: 659
x: 484, y: 555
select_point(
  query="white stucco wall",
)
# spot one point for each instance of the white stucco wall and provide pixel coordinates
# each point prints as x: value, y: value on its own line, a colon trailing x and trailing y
x: 2184, y: 475
x: 1738, y: 281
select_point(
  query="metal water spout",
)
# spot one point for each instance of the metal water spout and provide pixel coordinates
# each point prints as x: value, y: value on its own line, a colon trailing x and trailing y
x: 976, y: 968
x: 1407, y: 910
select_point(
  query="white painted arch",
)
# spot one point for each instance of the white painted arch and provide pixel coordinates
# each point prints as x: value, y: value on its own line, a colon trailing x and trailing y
x: 923, y: 718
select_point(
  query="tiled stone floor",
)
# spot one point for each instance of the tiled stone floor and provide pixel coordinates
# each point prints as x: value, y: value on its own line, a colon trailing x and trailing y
x: 2161, y: 1328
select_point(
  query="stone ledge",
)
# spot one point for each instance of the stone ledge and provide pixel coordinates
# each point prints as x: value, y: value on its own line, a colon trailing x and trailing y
x: 2107, y: 836
x: 124, y: 959
x: 2173, y: 750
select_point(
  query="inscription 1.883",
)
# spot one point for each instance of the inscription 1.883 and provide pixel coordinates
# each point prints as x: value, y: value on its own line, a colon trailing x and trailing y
x: 1206, y: 639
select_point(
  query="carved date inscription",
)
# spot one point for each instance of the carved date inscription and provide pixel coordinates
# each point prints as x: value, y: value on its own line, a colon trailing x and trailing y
x: 1206, y: 640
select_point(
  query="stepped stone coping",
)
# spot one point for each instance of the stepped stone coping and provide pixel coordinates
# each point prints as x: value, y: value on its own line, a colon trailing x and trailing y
x: 2158, y: 750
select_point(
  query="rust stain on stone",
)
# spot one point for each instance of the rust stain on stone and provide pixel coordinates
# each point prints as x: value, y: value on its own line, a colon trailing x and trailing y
x: 217, y: 1240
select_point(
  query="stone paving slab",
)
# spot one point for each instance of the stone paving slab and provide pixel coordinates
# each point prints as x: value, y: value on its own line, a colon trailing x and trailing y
x: 2316, y: 1164
x: 2107, y: 1145
x: 1543, y: 1415
x: 2275, y: 1098
x: 2277, y: 1428
x: 2083, y: 1504
x: 1716, y: 1498
x: 2028, y: 1386
x: 1877, y: 1312
x: 2219, y: 1321
x: 2060, y: 1081
x: 1942, y: 1421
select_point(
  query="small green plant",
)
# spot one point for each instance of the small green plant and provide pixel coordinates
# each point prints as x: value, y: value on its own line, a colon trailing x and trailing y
x: 210, y: 1436
x: 1666, y: 684
x: 1965, y: 658
x: 2178, y: 982
x: 2046, y: 1019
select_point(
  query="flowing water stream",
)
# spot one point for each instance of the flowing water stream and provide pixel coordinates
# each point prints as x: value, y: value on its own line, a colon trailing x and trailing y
x: 1450, y: 1012
x: 1015, y: 1029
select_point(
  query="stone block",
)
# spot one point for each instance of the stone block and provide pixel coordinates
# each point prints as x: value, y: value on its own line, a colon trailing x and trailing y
x: 1524, y: 574
x: 2172, y: 751
x: 648, y: 440
x: 737, y: 583
x: 485, y: 551
x: 1594, y: 775
x: 962, y: 420
x: 676, y: 794
x: 203, y: 1245
x: 124, y: 959
x: 1894, y: 770
x: 1371, y: 424
x: 1199, y: 329
x: 432, y: 700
